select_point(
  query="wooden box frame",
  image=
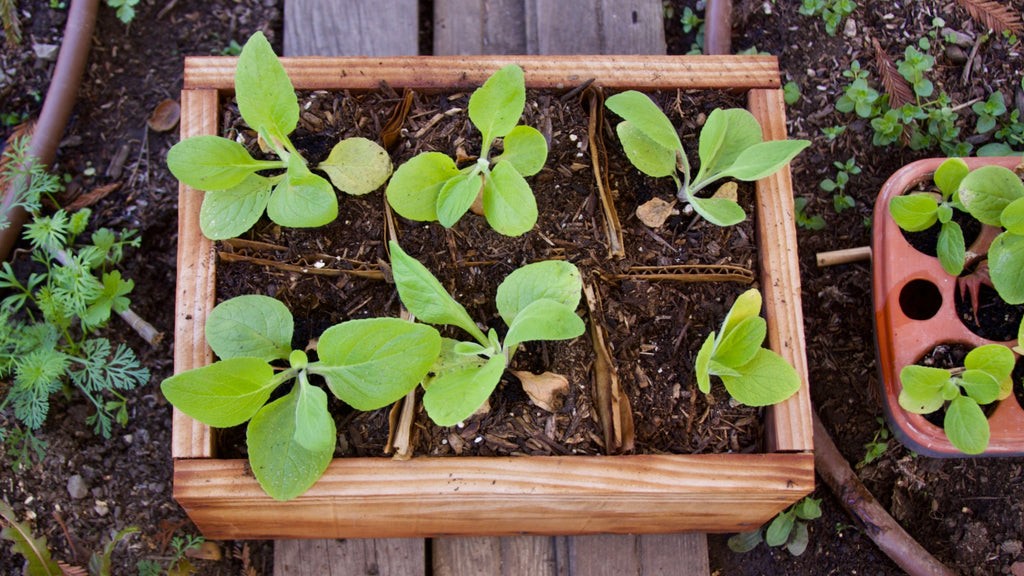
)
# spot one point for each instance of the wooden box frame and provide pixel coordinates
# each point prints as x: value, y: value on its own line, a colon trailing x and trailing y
x: 421, y: 497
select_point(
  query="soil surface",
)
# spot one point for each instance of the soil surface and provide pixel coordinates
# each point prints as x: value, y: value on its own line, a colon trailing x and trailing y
x: 967, y: 512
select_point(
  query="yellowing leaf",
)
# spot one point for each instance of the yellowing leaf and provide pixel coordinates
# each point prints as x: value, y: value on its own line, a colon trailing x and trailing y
x: 546, y: 390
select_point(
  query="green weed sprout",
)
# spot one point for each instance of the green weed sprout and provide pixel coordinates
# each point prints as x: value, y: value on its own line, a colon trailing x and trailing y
x: 788, y: 529
x: 537, y: 302
x: 237, y: 195
x: 753, y: 375
x: 985, y: 378
x: 367, y: 363
x: 731, y: 146
x: 431, y: 187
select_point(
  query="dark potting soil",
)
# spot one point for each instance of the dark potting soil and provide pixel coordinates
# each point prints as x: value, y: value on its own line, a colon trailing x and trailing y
x: 995, y: 319
x: 653, y: 327
x: 926, y: 241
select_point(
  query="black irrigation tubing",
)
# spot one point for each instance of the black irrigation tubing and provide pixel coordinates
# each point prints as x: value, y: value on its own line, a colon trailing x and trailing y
x: 53, y: 119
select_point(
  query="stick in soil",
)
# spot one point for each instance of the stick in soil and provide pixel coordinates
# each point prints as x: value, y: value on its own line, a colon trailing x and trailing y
x: 890, y: 537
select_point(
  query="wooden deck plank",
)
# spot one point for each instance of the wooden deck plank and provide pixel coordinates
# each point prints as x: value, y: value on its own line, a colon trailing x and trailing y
x: 351, y: 557
x: 351, y: 28
x: 504, y: 556
x: 548, y: 27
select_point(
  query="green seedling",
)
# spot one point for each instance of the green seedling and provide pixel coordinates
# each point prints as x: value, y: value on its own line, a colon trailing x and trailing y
x: 237, y: 194
x: 802, y: 219
x: 730, y: 146
x: 431, y: 187
x: 858, y: 97
x: 537, y: 302
x: 840, y: 199
x: 994, y: 195
x: 833, y: 132
x: 693, y: 23
x: 913, y: 67
x: 878, y: 445
x: 366, y: 363
x: 920, y: 211
x: 753, y: 375
x: 832, y: 12
x: 788, y: 529
x: 984, y: 378
x: 125, y: 9
x: 791, y: 93
x: 178, y: 564
x: 988, y: 111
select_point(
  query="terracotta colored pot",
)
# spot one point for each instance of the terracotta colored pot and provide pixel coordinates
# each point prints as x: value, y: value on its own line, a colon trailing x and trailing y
x: 915, y: 311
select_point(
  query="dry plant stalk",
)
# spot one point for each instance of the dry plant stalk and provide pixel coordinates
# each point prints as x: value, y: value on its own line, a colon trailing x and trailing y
x: 613, y: 409
x: 994, y: 15
x: 598, y: 155
x: 403, y: 412
x: 896, y: 86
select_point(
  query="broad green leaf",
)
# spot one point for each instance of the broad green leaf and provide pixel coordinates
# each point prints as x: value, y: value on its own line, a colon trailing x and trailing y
x: 966, y: 426
x: 914, y: 212
x: 424, y: 296
x: 798, y: 539
x: 718, y: 369
x: 282, y: 465
x: 223, y: 394
x: 808, y: 509
x: 451, y: 360
x: 745, y: 541
x: 414, y: 187
x: 1012, y: 217
x: 456, y: 196
x: 357, y: 166
x: 454, y: 396
x: 949, y: 175
x: 703, y: 362
x: 471, y: 349
x: 922, y: 388
x: 302, y: 199
x: 232, y: 212
x: 767, y: 379
x: 314, y: 426
x: 718, y: 211
x: 250, y: 326
x: 640, y: 111
x: 987, y: 190
x: 212, y: 162
x: 495, y: 107
x: 266, y: 97
x: 981, y: 386
x: 526, y: 149
x: 643, y: 152
x: 779, y: 529
x: 995, y: 359
x: 950, y: 248
x: 764, y: 159
x: 1006, y: 267
x: 371, y: 363
x: 725, y: 135
x: 747, y: 304
x: 553, y: 279
x: 944, y: 212
x: 509, y: 204
x: 740, y: 344
x: 544, y: 320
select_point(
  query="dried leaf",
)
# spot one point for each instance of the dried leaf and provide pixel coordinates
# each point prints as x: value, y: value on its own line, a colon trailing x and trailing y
x: 546, y: 390
x: 165, y: 116
x: 896, y: 86
x: 612, y: 406
x: 728, y: 191
x: 92, y: 197
x: 391, y: 131
x: 994, y: 15
x: 208, y: 550
x: 656, y: 211
x: 12, y: 27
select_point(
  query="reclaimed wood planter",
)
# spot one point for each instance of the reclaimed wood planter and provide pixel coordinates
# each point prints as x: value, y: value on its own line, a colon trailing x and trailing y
x: 381, y: 497
x: 915, y: 311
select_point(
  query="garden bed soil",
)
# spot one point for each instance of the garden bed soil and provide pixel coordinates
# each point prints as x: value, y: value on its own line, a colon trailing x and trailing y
x: 969, y: 513
x: 653, y: 326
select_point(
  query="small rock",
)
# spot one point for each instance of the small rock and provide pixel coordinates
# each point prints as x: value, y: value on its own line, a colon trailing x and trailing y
x: 46, y: 52
x: 850, y: 28
x: 1012, y: 547
x: 958, y: 38
x: 77, y: 488
x: 956, y: 55
x: 1017, y: 569
x: 101, y: 508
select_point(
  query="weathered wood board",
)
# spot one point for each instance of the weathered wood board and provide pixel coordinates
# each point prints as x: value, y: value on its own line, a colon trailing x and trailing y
x: 351, y: 28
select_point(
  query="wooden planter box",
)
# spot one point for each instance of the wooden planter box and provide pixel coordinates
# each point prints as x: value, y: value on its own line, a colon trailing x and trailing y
x: 381, y: 497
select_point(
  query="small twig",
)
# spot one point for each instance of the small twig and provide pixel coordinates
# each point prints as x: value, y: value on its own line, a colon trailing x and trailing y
x: 844, y: 256
x: 167, y: 8
x: 966, y: 76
